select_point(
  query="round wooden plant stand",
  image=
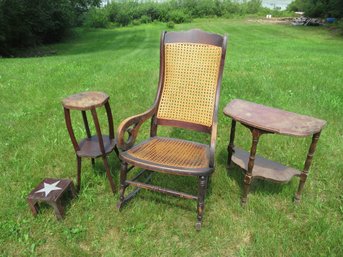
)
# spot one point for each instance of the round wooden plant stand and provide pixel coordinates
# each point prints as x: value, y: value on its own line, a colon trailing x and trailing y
x: 93, y: 146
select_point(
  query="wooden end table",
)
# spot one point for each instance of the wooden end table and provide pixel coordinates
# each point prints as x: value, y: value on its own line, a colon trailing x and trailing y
x: 51, y: 191
x: 260, y: 120
x: 93, y: 146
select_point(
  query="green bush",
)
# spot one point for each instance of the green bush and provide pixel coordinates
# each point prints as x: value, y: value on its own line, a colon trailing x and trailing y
x: 178, y: 16
x: 145, y: 19
x: 136, y: 22
x: 170, y: 25
x: 97, y: 18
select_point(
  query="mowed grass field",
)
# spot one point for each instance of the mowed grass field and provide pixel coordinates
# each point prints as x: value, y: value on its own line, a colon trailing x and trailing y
x: 298, y: 69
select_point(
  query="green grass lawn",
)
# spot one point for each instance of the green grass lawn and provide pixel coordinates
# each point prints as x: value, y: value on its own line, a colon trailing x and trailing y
x: 299, y: 69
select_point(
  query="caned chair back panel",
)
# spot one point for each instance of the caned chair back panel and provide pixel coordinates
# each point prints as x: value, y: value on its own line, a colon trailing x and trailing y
x: 191, y: 73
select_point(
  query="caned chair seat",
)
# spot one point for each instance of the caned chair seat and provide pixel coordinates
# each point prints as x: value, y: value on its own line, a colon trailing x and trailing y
x: 170, y: 155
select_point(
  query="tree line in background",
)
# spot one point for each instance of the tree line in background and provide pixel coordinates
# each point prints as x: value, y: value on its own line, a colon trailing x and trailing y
x: 28, y: 23
x: 318, y: 8
x: 175, y: 11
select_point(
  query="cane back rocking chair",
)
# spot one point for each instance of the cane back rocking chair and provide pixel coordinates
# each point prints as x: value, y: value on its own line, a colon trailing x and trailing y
x: 191, y: 67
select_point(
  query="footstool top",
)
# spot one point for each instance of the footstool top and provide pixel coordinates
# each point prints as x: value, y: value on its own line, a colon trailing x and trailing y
x: 50, y: 189
x: 85, y: 100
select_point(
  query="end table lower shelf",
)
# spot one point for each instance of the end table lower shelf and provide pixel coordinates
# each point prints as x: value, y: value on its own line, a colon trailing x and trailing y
x: 264, y: 168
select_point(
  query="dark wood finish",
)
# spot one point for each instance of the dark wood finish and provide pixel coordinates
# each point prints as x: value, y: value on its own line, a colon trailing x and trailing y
x: 89, y: 147
x: 261, y: 120
x: 264, y: 168
x: 273, y: 120
x: 248, y: 175
x: 182, y: 124
x: 194, y: 36
x: 70, y: 129
x: 123, y: 184
x: 230, y: 148
x: 132, y: 125
x: 92, y: 146
x: 176, y: 170
x: 131, y: 195
x: 88, y: 132
x: 110, y: 120
x: 53, y: 198
x: 202, y: 186
x: 161, y: 190
x: 303, y: 175
x: 78, y: 163
x: 85, y: 122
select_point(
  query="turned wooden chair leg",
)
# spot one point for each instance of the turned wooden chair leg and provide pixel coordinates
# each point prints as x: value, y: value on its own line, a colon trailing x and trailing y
x: 201, y: 200
x: 123, y: 174
x: 78, y: 184
x: 303, y: 175
x: 108, y: 174
x: 248, y: 176
x: 230, y: 148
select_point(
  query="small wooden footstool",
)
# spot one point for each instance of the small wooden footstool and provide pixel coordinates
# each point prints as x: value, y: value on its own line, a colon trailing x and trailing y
x: 51, y: 191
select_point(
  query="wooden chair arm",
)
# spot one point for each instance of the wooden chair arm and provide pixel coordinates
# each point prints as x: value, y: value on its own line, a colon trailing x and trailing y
x: 131, y: 126
x: 213, y: 143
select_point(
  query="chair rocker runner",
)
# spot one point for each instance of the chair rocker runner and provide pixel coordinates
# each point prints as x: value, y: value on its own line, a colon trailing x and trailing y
x: 191, y: 67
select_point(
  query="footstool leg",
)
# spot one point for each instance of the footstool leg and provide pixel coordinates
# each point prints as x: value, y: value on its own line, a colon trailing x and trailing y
x: 72, y: 190
x: 231, y: 145
x: 307, y: 165
x: 33, y: 207
x: 248, y: 175
x: 59, y: 211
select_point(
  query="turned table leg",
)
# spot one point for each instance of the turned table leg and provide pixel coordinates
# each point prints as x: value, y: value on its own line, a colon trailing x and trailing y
x: 248, y: 175
x: 231, y: 145
x: 307, y: 165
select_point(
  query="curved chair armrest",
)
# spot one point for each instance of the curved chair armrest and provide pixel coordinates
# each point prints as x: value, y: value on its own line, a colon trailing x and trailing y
x: 213, y: 144
x: 131, y: 126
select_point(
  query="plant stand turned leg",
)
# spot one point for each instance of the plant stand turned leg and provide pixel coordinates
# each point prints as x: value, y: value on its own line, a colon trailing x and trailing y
x: 108, y: 174
x: 78, y: 184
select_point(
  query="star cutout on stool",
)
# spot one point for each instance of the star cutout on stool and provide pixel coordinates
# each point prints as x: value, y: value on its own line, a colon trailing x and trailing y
x: 49, y: 187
